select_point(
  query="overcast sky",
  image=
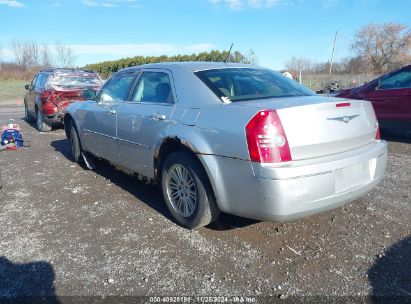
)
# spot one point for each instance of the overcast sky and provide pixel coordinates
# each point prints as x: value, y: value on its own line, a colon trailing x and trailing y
x: 275, y: 29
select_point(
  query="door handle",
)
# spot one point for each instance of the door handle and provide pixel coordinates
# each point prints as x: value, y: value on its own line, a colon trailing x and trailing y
x: 112, y: 111
x: 158, y: 117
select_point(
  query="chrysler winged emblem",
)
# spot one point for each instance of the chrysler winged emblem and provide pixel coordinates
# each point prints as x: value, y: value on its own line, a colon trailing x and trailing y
x: 345, y: 119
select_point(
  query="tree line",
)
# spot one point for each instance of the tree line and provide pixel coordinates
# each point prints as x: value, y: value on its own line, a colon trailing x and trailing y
x: 30, y: 57
x: 106, y: 68
x: 377, y: 48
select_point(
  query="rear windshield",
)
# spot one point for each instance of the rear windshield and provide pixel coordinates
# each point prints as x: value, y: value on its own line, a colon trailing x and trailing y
x: 74, y: 81
x: 239, y: 84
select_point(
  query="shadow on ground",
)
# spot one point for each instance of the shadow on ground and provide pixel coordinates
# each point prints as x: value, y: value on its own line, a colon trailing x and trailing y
x: 148, y: 194
x: 390, y: 276
x: 26, y: 283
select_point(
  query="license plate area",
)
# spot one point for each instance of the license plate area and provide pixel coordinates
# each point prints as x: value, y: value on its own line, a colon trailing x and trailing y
x: 351, y: 177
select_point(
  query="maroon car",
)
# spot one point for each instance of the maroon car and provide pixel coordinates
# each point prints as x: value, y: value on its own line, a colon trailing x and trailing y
x: 390, y: 95
x: 51, y: 92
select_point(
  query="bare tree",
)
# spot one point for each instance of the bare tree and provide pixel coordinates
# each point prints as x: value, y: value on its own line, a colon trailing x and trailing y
x: 46, y: 56
x: 383, y: 46
x: 26, y: 53
x: 251, y: 58
x: 65, y: 56
x: 294, y: 65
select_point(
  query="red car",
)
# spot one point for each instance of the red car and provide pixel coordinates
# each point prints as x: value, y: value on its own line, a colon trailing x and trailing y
x: 390, y: 95
x: 52, y: 91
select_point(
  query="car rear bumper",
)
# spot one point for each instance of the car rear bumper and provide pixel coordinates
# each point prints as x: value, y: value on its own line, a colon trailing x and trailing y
x: 56, y: 118
x: 299, y: 189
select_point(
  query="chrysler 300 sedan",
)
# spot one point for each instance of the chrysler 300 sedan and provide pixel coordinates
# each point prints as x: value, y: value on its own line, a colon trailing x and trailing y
x: 230, y: 138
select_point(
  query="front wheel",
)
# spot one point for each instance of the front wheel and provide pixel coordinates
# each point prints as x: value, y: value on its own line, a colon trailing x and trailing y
x: 27, y: 116
x: 187, y: 191
x: 41, y: 125
x: 75, y: 146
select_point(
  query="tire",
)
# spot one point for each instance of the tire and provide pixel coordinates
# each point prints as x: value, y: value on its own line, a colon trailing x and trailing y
x: 75, y: 145
x: 40, y: 124
x: 187, y: 191
x: 27, y: 116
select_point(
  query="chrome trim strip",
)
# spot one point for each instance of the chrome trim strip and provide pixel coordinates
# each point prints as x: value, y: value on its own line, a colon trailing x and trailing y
x: 150, y: 103
x: 134, y: 143
x: 119, y: 139
x: 97, y: 133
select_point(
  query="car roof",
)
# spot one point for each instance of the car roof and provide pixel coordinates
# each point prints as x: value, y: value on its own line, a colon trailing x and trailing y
x: 66, y: 71
x: 192, y: 65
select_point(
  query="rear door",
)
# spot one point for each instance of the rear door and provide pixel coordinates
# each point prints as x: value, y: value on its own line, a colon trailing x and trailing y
x: 39, y: 89
x: 99, y: 121
x: 391, y: 97
x: 144, y: 119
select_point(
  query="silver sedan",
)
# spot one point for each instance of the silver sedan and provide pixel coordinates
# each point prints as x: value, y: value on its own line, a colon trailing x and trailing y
x: 230, y: 138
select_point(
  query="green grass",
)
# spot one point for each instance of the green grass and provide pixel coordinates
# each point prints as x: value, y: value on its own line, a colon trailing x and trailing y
x: 12, y: 90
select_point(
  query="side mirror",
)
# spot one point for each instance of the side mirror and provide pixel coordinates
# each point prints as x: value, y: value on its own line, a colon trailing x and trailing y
x: 89, y: 94
x: 378, y: 86
x: 27, y: 87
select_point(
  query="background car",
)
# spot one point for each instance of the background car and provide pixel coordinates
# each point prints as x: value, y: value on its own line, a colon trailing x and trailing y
x: 233, y: 138
x: 52, y: 90
x: 390, y: 95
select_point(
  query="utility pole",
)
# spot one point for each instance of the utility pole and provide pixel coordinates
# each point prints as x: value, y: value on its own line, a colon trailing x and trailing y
x: 332, y: 54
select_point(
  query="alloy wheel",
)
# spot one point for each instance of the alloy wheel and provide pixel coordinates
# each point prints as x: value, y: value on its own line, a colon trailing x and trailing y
x: 181, y: 190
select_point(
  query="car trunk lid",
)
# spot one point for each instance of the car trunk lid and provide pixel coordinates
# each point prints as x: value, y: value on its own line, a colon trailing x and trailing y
x: 65, y: 97
x: 317, y: 126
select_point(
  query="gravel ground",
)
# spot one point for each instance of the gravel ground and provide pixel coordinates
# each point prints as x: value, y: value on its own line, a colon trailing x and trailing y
x: 66, y: 231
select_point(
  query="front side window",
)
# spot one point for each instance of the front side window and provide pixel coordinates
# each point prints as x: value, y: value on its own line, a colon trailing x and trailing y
x: 239, y: 84
x: 116, y: 88
x: 397, y: 81
x: 154, y: 87
x: 33, y: 82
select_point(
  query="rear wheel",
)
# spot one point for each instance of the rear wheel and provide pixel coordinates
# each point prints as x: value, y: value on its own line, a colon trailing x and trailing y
x: 187, y: 191
x: 41, y: 125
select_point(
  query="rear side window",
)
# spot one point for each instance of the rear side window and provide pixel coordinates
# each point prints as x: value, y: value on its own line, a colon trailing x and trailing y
x: 240, y: 84
x: 154, y: 87
x: 43, y: 80
x: 40, y: 81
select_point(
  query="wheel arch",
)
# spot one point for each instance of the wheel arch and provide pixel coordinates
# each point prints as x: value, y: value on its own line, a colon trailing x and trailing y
x: 68, y: 119
x: 176, y: 143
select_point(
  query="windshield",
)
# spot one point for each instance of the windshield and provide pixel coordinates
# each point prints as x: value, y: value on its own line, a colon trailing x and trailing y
x: 239, y: 84
x: 74, y: 81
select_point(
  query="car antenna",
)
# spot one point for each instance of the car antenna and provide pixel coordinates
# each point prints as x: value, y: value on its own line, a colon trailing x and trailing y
x: 229, y: 51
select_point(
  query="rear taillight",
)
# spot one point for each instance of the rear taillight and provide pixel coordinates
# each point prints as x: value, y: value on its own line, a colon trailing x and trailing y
x: 343, y: 104
x: 266, y: 139
x: 48, y: 98
x: 378, y: 135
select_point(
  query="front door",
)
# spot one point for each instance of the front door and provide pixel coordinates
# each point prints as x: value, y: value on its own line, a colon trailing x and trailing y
x: 144, y: 120
x: 392, y: 97
x: 100, y: 119
x: 31, y: 96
